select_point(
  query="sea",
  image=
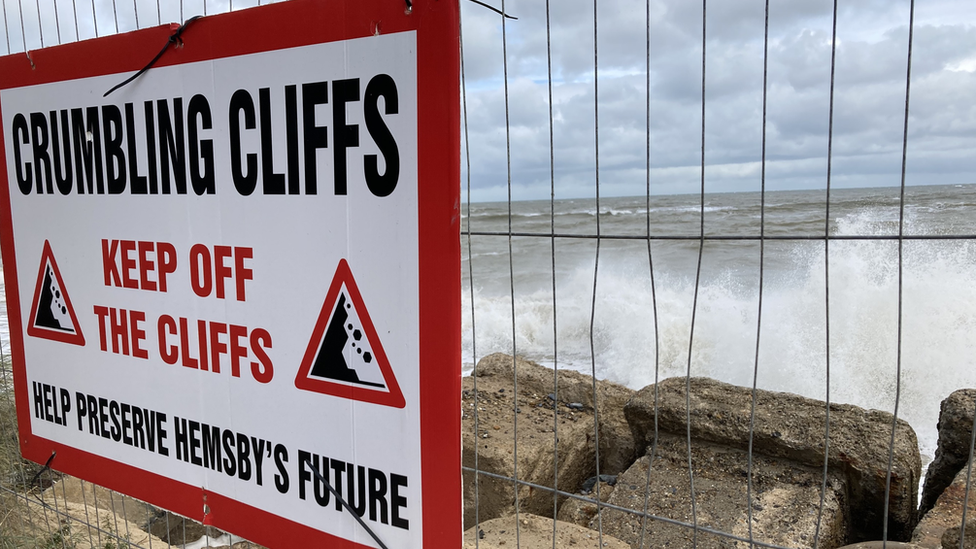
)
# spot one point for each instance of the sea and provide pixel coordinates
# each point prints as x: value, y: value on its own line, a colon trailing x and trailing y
x: 902, y: 319
x: 589, y: 304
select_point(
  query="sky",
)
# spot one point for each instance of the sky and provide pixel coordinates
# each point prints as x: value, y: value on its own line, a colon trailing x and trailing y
x: 869, y: 96
x: 869, y: 90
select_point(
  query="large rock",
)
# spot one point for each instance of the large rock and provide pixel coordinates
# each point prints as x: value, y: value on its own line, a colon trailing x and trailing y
x: 952, y: 453
x: 494, y: 447
x: 946, y: 514
x: 950, y: 539
x: 617, y: 447
x: 785, y: 503
x: 534, y: 532
x: 792, y: 427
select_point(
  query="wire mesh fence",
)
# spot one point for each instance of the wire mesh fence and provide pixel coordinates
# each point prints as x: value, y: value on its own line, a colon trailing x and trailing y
x: 677, y: 218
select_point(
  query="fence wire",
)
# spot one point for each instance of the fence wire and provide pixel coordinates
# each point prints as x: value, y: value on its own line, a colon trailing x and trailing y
x: 41, y: 508
x: 523, y: 308
x: 37, y: 510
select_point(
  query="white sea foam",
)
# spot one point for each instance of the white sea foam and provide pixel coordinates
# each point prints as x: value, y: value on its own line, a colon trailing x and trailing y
x: 938, y: 352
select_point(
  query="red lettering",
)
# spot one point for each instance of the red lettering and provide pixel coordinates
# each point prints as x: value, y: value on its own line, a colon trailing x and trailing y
x: 137, y: 333
x: 237, y: 351
x: 243, y: 273
x: 217, y: 339
x: 146, y: 265
x: 202, y: 345
x: 102, y: 313
x: 120, y: 324
x: 262, y: 370
x: 201, y: 279
x: 167, y: 326
x: 188, y: 360
x: 166, y: 256
x: 217, y: 347
x: 221, y: 272
x: 128, y: 264
x: 109, y: 266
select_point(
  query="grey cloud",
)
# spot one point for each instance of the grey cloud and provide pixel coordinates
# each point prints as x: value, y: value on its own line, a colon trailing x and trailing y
x: 868, y: 111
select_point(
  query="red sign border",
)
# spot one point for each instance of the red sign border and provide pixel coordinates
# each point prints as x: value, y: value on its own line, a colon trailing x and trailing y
x: 77, y: 338
x: 279, y: 26
x: 393, y: 396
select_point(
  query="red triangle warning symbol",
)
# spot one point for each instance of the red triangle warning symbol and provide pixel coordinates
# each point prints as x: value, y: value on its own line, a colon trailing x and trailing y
x: 345, y: 357
x: 52, y: 316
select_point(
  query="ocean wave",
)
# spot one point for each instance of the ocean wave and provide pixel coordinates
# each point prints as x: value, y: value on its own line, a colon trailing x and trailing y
x: 937, y: 351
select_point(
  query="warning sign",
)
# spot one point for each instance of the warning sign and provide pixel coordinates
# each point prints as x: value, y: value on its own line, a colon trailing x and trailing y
x: 345, y: 357
x: 254, y: 319
x: 52, y: 315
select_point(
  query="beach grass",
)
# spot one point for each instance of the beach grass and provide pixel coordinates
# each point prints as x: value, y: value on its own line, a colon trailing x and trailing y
x: 15, y: 473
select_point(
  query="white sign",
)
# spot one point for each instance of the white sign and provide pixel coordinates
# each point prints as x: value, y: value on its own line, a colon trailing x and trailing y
x: 218, y: 274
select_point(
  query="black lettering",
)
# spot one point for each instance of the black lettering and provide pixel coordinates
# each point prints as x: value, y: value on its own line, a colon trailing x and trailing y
x: 159, y: 419
x: 381, y: 85
x: 243, y: 458
x: 291, y: 137
x: 195, y: 443
x: 258, y: 445
x: 137, y: 182
x: 274, y: 183
x: 39, y: 149
x: 126, y: 424
x: 138, y: 429
x: 103, y: 417
x: 338, y: 467
x: 316, y: 137
x: 38, y: 400
x: 201, y: 178
x: 80, y: 400
x: 116, y: 429
x: 303, y: 474
x: 281, y: 477
x: 172, y: 145
x: 377, y: 495
x: 114, y: 157
x: 93, y: 416
x: 397, y: 501
x: 47, y: 402
x: 230, y: 466
x: 65, y: 405
x: 322, y: 493
x: 24, y: 172
x: 87, y: 139
x: 211, y: 448
x: 150, y: 147
x: 356, y: 491
x: 244, y: 182
x: 182, y: 443
x: 61, y: 145
x: 343, y: 91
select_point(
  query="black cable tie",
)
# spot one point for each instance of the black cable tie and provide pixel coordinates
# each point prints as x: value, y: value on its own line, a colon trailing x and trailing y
x: 409, y: 5
x: 494, y: 9
x: 345, y: 505
x: 175, y: 38
x: 47, y: 467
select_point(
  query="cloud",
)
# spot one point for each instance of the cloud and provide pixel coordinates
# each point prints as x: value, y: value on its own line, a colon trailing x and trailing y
x: 869, y: 95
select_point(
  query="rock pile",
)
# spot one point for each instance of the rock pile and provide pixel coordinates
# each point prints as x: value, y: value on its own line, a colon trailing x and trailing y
x: 944, y: 498
x: 675, y: 463
x: 516, y: 433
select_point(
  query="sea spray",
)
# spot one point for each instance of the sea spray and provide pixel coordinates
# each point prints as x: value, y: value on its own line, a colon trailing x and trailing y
x: 938, y: 312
